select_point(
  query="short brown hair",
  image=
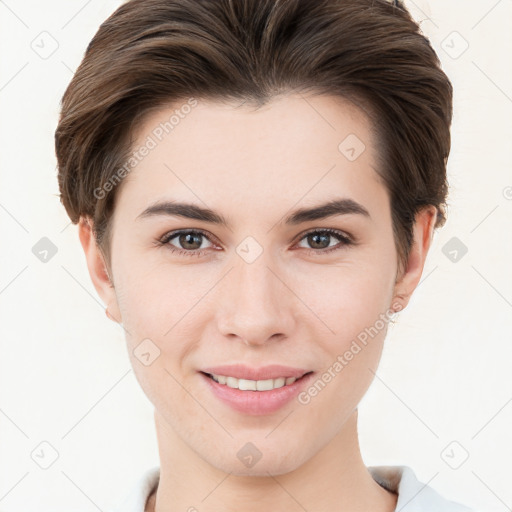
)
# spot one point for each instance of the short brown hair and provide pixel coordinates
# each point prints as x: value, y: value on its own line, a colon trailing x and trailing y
x: 149, y: 53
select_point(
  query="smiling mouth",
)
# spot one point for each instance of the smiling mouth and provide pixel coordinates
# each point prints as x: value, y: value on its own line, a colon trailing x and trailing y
x: 254, y: 385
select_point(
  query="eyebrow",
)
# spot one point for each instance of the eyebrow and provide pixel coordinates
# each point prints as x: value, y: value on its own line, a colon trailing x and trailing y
x: 342, y: 206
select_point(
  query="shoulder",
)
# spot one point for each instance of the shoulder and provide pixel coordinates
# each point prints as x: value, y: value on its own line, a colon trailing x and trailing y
x: 413, y: 495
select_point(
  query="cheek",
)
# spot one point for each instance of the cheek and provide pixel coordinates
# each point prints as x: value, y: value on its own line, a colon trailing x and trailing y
x: 359, y: 317
x: 154, y: 309
x: 353, y: 303
x: 158, y: 301
x: 346, y: 299
x: 160, y: 307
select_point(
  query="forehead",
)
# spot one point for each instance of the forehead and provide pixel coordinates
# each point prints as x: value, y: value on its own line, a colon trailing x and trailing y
x: 228, y: 153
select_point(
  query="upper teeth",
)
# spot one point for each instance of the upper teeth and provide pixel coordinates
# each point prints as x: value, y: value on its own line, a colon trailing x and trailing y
x: 253, y: 385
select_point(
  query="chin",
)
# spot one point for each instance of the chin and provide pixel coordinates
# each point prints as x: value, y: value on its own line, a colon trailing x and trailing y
x: 248, y: 461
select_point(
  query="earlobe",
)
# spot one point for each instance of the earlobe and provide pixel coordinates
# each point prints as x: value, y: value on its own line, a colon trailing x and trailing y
x: 98, y: 269
x: 423, y: 231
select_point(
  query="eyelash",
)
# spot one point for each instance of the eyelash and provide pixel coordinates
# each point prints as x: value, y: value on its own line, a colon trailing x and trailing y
x: 344, y: 241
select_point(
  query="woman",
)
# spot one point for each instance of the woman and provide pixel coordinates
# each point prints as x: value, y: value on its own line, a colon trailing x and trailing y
x: 256, y: 186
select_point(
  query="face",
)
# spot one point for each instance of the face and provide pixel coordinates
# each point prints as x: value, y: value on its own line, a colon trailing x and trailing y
x: 268, y: 286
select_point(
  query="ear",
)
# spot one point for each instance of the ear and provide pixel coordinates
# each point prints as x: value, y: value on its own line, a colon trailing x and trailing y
x: 98, y: 268
x: 423, y: 232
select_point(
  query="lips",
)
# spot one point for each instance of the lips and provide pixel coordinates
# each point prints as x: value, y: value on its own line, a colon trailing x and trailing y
x: 257, y: 402
x: 240, y: 371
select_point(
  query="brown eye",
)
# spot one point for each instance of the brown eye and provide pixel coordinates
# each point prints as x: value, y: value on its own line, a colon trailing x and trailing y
x: 320, y: 240
x: 187, y: 242
x: 190, y: 240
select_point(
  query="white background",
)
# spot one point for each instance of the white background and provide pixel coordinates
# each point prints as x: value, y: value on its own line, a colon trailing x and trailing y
x: 65, y: 378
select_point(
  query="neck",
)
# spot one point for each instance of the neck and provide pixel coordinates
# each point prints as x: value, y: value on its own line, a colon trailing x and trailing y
x: 334, y: 479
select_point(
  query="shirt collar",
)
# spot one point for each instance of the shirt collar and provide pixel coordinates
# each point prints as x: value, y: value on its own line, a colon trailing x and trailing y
x: 413, y: 495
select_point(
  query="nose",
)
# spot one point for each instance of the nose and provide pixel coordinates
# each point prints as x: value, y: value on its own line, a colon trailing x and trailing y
x: 255, y: 306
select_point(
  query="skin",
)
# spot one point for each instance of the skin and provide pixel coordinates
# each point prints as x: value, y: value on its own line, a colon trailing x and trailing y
x: 290, y: 306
